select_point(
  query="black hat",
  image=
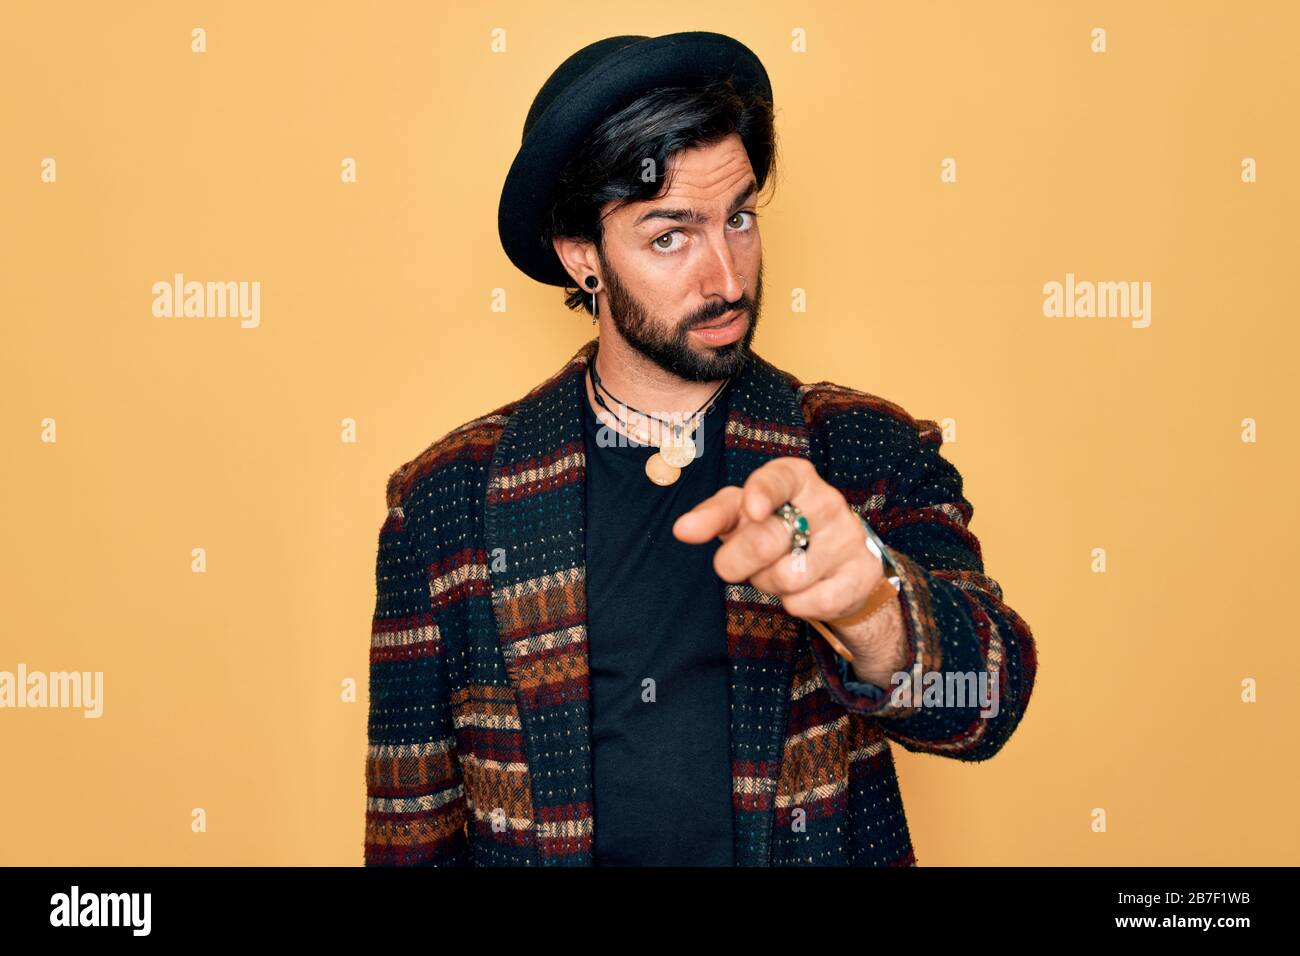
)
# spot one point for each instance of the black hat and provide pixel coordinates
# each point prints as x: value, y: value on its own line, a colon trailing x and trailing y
x: 593, y: 83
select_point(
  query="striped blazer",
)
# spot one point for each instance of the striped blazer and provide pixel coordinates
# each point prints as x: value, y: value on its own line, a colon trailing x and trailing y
x: 478, y: 736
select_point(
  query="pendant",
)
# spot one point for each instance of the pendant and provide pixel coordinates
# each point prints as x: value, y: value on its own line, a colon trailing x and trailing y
x: 660, y: 471
x: 678, y: 452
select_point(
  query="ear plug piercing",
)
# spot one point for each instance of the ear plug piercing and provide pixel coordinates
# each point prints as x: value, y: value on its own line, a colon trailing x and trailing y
x: 591, y: 282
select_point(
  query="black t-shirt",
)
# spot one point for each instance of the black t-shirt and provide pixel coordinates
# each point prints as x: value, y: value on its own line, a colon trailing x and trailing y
x: 661, y: 764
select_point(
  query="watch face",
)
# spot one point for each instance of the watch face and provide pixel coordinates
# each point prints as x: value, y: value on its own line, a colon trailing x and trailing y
x: 873, y: 541
x: 873, y: 545
x: 877, y: 547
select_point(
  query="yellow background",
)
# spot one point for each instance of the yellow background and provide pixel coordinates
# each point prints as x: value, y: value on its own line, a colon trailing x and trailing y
x: 222, y: 690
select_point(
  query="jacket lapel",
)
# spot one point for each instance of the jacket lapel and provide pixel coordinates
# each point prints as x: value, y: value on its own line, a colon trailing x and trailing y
x: 534, y: 535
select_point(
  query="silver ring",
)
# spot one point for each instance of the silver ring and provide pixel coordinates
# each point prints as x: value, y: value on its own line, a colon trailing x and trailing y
x: 796, y: 524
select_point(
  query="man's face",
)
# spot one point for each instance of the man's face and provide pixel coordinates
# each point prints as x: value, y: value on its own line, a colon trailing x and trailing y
x: 674, y: 264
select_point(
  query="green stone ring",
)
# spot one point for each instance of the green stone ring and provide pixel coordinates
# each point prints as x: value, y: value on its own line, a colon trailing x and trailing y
x: 796, y: 524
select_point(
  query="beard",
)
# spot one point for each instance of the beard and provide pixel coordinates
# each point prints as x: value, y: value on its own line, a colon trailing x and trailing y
x: 670, y: 348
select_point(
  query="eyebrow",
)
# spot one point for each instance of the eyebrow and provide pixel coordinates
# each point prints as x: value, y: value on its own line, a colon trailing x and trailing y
x: 693, y: 217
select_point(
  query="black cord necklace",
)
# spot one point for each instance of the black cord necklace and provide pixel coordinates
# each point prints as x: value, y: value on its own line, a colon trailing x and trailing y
x: 665, y: 465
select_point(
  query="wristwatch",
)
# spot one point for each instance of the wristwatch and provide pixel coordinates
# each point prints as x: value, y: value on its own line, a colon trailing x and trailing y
x: 885, y: 591
x: 877, y: 547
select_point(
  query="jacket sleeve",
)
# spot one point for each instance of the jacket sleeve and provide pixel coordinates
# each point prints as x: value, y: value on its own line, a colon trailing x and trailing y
x: 971, y: 658
x: 415, y: 796
x: 858, y: 687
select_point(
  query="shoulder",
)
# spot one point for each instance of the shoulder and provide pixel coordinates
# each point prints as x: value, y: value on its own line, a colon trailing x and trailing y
x: 868, y: 445
x: 827, y: 404
x: 831, y: 409
x: 463, y: 454
x: 470, y: 444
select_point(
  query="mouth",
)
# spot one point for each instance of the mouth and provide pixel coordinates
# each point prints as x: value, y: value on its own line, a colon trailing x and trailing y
x: 721, y: 322
x: 724, y: 330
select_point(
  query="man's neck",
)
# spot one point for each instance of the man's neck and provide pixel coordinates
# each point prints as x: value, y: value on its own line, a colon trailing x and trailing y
x: 641, y: 384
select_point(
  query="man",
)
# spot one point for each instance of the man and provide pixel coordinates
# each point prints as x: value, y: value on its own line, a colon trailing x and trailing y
x: 671, y: 606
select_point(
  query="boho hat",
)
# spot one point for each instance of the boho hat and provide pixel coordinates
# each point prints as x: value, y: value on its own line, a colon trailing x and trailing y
x: 598, y: 80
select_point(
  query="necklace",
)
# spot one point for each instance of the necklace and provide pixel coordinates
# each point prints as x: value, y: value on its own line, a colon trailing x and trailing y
x: 674, y: 453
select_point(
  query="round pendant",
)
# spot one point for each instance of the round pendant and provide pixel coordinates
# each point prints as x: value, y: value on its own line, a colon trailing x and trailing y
x: 659, y: 471
x: 678, y: 452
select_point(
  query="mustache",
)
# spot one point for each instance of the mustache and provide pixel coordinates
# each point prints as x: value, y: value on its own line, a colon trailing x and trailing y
x: 744, y: 305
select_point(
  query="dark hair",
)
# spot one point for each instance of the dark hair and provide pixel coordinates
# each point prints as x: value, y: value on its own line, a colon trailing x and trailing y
x: 609, y: 167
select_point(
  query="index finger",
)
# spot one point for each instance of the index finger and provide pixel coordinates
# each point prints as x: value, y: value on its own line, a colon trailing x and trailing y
x: 715, y: 515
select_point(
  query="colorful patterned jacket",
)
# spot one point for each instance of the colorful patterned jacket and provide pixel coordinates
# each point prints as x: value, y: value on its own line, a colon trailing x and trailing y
x: 478, y: 729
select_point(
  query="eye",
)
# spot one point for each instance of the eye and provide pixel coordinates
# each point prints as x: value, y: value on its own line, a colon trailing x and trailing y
x: 657, y: 243
x: 753, y: 218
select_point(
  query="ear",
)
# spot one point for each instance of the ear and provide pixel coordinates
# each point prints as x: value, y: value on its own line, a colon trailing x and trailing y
x: 579, y: 259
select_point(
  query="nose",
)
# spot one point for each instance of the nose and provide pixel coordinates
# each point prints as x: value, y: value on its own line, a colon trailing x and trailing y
x: 721, y: 278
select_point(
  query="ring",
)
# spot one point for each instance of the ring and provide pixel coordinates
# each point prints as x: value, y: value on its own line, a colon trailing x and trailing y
x: 796, y: 524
